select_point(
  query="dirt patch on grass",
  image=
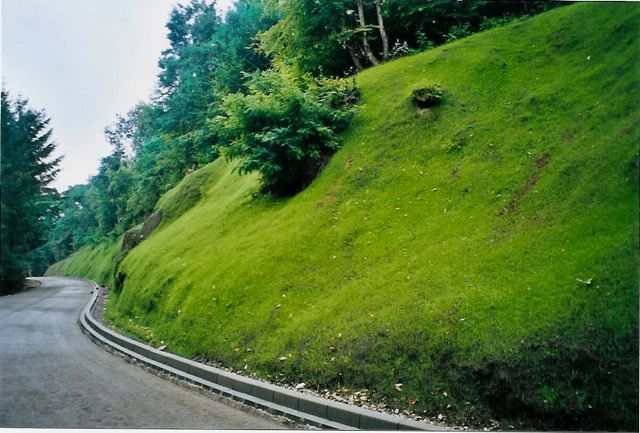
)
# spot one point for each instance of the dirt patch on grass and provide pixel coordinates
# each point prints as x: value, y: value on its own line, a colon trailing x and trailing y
x: 531, y: 181
x: 456, y: 170
x: 543, y: 160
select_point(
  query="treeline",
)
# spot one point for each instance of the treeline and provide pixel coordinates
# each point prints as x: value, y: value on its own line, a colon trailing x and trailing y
x: 267, y: 84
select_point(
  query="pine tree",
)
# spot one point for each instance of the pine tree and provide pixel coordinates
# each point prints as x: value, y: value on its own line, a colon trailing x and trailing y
x: 26, y: 170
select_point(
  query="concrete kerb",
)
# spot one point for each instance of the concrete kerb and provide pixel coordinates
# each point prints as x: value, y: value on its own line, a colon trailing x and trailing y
x: 276, y: 400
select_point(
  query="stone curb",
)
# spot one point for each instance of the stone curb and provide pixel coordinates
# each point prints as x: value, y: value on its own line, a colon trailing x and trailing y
x: 277, y: 400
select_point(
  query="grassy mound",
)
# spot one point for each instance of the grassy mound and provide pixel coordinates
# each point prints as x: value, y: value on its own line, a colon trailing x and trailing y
x: 483, y: 252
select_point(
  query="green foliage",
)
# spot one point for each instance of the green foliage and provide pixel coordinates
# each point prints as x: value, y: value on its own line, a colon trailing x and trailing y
x: 423, y: 42
x: 323, y: 37
x: 238, y: 45
x: 417, y: 21
x: 27, y: 168
x: 207, y: 58
x: 458, y: 32
x: 285, y: 129
x: 488, y: 251
x: 492, y: 22
x: 318, y: 45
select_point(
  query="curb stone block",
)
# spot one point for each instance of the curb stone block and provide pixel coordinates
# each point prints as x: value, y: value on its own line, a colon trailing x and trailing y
x: 175, y: 362
x: 379, y: 422
x: 343, y: 414
x: 243, y: 387
x: 286, y: 398
x: 264, y: 392
x: 205, y: 373
x: 225, y: 380
x: 313, y: 406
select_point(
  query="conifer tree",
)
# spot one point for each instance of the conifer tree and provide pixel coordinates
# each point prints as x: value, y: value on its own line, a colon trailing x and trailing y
x: 26, y: 170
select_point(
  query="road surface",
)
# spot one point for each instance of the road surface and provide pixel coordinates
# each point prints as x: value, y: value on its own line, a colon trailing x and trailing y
x: 52, y: 375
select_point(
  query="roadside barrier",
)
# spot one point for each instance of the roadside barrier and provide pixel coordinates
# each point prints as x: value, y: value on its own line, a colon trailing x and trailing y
x: 277, y: 400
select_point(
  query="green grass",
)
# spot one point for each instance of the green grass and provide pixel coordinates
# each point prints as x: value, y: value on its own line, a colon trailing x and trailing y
x: 93, y: 262
x: 442, y: 250
x: 187, y: 193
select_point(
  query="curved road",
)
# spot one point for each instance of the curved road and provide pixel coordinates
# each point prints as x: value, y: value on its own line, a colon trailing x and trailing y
x: 51, y: 375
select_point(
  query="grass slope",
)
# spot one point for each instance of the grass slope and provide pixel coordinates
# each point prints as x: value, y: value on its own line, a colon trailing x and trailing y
x: 484, y: 254
x: 93, y: 262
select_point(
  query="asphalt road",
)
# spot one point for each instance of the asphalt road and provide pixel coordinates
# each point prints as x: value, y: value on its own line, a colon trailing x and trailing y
x: 52, y: 375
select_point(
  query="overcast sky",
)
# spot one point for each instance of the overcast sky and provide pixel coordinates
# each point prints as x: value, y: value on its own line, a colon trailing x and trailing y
x: 83, y: 61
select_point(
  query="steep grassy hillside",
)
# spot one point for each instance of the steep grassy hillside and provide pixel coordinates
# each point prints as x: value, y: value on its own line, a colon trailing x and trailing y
x: 483, y: 253
x: 93, y: 262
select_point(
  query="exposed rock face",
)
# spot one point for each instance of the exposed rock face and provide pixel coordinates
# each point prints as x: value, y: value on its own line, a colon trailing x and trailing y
x: 134, y: 236
x: 131, y: 239
x: 150, y: 224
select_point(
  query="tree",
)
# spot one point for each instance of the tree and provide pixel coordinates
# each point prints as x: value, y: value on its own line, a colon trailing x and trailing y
x: 286, y: 129
x: 26, y: 170
x: 363, y: 33
x: 383, y: 33
x: 330, y: 37
x: 237, y: 43
x: 310, y: 37
x: 327, y: 37
x: 76, y: 225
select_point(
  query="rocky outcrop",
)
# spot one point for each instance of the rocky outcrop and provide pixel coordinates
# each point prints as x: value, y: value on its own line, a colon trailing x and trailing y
x: 136, y: 235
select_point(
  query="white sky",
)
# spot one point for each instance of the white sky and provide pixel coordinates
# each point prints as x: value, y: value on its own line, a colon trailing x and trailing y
x: 83, y: 61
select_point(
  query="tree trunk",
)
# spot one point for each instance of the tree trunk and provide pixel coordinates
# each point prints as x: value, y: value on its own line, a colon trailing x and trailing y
x: 355, y: 58
x: 365, y: 42
x: 383, y: 33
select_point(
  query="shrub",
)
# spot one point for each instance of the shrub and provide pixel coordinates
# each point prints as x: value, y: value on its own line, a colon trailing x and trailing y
x: 285, y: 128
x: 458, y: 32
x: 493, y: 22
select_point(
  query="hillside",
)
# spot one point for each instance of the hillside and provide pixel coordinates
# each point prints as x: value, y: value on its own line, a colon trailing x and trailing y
x: 483, y: 253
